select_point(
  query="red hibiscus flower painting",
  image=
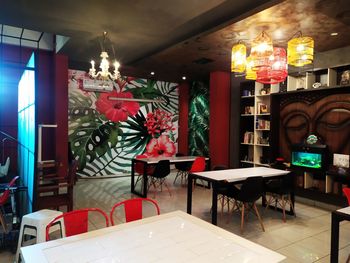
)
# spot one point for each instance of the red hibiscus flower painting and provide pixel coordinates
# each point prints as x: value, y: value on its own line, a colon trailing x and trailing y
x: 161, y: 146
x: 117, y: 110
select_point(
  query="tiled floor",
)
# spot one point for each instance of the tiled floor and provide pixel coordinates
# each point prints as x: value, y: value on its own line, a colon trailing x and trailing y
x: 305, y: 238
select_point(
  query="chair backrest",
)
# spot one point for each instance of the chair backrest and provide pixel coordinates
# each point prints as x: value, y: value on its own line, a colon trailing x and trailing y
x: 198, y: 165
x: 346, y: 191
x: 162, y: 169
x: 251, y: 190
x: 76, y: 221
x: 133, y: 208
x: 288, y: 182
x: 5, y: 195
x: 182, y: 166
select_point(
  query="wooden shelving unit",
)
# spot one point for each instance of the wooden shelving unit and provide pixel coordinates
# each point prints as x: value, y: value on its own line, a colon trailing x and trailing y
x: 255, y: 132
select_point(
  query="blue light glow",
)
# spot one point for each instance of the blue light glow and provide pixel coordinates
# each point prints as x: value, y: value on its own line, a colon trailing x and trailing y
x: 26, y: 129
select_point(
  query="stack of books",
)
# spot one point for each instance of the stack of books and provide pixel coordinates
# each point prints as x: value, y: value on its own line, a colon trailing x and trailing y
x: 263, y: 124
x: 248, y: 137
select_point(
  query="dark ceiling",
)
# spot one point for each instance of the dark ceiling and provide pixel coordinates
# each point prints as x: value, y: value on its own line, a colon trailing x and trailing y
x: 175, y: 38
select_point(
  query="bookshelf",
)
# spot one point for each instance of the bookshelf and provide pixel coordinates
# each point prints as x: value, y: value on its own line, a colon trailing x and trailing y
x: 255, y: 123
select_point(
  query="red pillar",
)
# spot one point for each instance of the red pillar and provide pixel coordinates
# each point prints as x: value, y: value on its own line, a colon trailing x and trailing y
x: 61, y: 110
x: 219, y: 121
x: 184, y: 98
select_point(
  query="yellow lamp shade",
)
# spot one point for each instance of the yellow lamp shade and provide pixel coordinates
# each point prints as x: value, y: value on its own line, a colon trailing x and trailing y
x: 261, y: 51
x: 300, y: 51
x: 250, y: 73
x: 238, y: 58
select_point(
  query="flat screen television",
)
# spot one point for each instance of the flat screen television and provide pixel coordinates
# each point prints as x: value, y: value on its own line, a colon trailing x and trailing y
x: 309, y: 158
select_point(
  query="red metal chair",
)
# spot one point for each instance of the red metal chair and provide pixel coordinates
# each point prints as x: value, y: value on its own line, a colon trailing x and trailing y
x: 3, y: 199
x: 133, y: 208
x: 76, y: 221
x: 197, y: 166
x: 346, y: 191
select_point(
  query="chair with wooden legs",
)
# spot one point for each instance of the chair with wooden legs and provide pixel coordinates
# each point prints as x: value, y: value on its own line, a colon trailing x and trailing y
x: 158, y: 177
x: 280, y: 192
x: 246, y: 197
x: 182, y: 169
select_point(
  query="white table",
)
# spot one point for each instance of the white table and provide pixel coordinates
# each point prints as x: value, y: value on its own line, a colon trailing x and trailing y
x: 152, y: 161
x: 230, y: 176
x: 337, y: 216
x: 172, y: 237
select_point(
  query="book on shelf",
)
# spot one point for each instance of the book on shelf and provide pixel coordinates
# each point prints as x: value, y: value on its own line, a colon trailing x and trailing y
x: 263, y: 124
x: 248, y: 137
x: 249, y: 110
x: 262, y: 108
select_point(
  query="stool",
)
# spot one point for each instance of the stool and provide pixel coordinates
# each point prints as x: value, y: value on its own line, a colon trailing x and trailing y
x: 34, y: 224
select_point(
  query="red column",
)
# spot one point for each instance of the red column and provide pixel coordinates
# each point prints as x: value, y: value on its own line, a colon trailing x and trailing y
x: 219, y: 121
x: 184, y: 98
x: 61, y: 110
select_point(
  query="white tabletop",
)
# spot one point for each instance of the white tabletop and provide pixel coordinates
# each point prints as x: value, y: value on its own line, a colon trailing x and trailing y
x: 172, y: 159
x: 172, y: 237
x: 234, y: 175
x: 345, y: 210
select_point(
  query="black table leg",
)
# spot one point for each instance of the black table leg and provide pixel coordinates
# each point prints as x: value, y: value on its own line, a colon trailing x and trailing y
x: 189, y: 193
x: 132, y: 176
x: 335, y: 238
x: 145, y: 184
x: 214, y: 212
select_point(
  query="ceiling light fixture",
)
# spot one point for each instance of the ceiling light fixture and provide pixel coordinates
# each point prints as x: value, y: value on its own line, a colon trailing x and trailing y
x: 334, y: 34
x: 277, y: 71
x: 152, y: 73
x: 300, y: 51
x: 261, y: 50
x: 183, y: 77
x: 238, y: 58
x: 104, y: 73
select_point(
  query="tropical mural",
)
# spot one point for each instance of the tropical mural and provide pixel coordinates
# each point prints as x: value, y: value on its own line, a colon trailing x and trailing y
x: 199, y: 119
x: 106, y: 134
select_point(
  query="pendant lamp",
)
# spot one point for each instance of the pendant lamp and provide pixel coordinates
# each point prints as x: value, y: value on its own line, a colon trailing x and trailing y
x: 277, y: 71
x: 250, y: 73
x: 261, y: 50
x: 238, y: 58
x: 300, y: 51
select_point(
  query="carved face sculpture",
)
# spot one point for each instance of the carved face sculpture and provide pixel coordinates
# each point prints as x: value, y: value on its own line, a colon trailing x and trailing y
x: 327, y: 117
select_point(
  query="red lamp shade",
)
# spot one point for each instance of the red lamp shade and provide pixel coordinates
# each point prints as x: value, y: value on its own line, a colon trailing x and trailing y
x: 277, y: 71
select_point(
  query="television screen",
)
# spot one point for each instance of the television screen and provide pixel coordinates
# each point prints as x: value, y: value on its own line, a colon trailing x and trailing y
x: 305, y: 159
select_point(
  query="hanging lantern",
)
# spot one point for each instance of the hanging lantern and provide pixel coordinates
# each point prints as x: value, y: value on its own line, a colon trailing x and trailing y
x: 277, y: 71
x: 261, y: 50
x: 250, y: 73
x: 300, y: 51
x: 238, y: 58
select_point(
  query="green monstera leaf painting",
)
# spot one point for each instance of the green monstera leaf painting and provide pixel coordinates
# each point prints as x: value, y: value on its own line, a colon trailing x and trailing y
x: 106, y: 135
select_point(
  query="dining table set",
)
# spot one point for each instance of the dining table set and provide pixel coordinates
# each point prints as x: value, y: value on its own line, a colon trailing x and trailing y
x: 171, y: 237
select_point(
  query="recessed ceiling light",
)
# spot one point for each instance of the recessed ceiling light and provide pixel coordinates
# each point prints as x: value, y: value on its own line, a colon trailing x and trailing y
x: 334, y: 34
x: 152, y: 73
x: 183, y: 77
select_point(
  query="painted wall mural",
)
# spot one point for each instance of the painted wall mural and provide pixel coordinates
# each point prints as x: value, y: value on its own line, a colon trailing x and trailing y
x: 199, y: 119
x: 106, y: 134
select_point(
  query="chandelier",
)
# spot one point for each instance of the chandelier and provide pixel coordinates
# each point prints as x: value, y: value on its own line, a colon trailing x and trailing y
x: 104, y: 73
x: 267, y: 64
